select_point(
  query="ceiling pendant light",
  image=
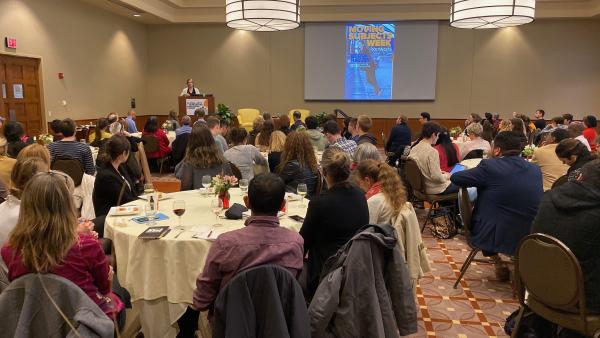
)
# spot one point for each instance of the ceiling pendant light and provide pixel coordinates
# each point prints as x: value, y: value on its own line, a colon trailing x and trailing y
x: 262, y: 15
x: 480, y: 14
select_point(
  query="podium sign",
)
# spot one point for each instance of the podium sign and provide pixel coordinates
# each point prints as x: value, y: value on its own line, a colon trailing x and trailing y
x: 192, y: 104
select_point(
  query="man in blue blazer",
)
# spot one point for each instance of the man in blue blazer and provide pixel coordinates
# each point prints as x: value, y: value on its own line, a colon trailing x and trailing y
x: 509, y: 190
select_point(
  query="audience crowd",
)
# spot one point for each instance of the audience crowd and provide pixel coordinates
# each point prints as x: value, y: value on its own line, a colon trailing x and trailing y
x: 523, y: 176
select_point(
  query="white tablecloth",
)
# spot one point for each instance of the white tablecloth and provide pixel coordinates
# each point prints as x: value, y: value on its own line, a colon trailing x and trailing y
x: 161, y: 274
x: 170, y: 135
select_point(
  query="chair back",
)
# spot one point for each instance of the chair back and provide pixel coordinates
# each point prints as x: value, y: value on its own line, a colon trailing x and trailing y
x: 247, y: 115
x: 560, y: 181
x: 475, y: 153
x: 304, y: 113
x: 143, y: 161
x: 235, y: 171
x: 150, y: 143
x: 4, y: 281
x: 413, y: 175
x: 179, y: 147
x: 71, y: 167
x: 551, y: 273
x: 466, y: 210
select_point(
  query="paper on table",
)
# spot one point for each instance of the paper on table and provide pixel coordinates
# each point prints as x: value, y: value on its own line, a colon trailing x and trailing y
x: 202, y: 233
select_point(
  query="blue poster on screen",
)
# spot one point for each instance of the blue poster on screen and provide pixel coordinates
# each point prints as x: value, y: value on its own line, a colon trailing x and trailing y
x: 369, y: 61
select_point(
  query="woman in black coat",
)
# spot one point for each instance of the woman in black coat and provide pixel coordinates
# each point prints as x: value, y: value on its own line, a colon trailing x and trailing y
x: 332, y: 218
x: 113, y: 185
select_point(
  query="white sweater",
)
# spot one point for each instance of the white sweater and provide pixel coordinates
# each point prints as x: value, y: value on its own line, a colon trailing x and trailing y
x: 428, y: 160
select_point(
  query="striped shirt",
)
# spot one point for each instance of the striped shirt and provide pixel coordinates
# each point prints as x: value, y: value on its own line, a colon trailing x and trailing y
x: 76, y: 150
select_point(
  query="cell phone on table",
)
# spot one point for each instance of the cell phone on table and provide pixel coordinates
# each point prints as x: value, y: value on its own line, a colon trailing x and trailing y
x: 297, y: 218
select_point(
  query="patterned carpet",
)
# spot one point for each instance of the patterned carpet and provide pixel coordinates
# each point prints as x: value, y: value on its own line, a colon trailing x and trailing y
x: 477, y: 309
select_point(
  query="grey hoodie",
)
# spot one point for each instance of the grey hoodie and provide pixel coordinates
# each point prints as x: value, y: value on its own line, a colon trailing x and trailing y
x: 317, y: 139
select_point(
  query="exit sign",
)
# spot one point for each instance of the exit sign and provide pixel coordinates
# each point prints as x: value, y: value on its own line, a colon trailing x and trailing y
x: 10, y: 42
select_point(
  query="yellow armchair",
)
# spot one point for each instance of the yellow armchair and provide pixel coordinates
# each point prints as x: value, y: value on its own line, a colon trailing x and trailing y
x: 246, y: 116
x: 304, y: 114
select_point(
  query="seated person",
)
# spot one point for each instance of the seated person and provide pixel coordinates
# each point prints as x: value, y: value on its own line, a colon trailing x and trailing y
x: 365, y: 151
x: 297, y: 121
x: 100, y: 134
x: 284, y: 124
x: 68, y: 147
x: 574, y: 154
x: 576, y: 131
x: 400, y: 137
x: 428, y: 161
x: 275, y: 149
x: 263, y: 139
x: 130, y: 125
x: 202, y: 157
x: 364, y: 124
x: 243, y: 155
x: 509, y: 190
x: 15, y: 135
x: 474, y: 131
x: 46, y: 240
x: 214, y: 125
x: 447, y: 151
x: 151, y: 129
x: 113, y: 186
x: 172, y: 122
x: 545, y: 157
x: 185, y: 126
x: 262, y: 241
x: 332, y: 218
x: 316, y: 137
x: 22, y: 173
x: 56, y: 132
x: 335, y: 139
x: 571, y: 213
x: 6, y: 163
x: 590, y: 133
x: 298, y: 164
x: 257, y: 126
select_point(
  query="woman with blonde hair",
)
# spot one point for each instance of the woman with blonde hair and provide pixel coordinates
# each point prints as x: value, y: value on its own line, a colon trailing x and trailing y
x: 387, y: 201
x: 298, y: 164
x: 45, y: 240
x: 275, y: 149
x: 35, y: 151
x: 202, y: 157
x: 22, y: 172
x: 257, y: 126
x: 263, y: 139
x: 504, y: 125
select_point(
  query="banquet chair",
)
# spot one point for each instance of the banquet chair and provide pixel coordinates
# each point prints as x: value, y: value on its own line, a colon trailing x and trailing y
x: 70, y: 166
x: 551, y: 274
x: 246, y: 117
x: 4, y: 281
x: 415, y: 179
x: 151, y: 146
x: 179, y: 147
x: 304, y: 113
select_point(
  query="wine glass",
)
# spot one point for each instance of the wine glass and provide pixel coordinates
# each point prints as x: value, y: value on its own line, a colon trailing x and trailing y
x: 302, y: 191
x: 206, y: 181
x: 179, y: 210
x: 148, y: 188
x: 216, y: 205
x: 244, y: 186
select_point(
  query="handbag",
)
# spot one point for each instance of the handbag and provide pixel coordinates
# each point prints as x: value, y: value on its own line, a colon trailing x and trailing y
x: 235, y: 211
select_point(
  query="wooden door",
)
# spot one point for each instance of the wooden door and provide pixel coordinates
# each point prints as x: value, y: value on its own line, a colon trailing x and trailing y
x: 20, y: 92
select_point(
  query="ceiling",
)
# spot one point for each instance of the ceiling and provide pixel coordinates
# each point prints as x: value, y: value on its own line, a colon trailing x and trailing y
x: 213, y: 11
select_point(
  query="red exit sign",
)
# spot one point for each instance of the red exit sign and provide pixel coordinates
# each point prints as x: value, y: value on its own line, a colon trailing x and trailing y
x: 11, y: 42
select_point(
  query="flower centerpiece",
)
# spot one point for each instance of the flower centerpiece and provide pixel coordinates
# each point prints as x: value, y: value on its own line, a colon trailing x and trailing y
x: 221, y: 186
x: 45, y: 139
x: 455, y: 131
x: 528, y: 150
x: 165, y: 126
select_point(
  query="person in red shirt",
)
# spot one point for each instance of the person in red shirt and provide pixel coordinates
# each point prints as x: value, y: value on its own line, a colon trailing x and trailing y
x: 590, y: 133
x: 151, y: 129
x: 46, y: 240
x: 448, y: 152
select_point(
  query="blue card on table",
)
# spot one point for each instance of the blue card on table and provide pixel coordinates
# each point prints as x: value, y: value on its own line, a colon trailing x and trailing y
x: 143, y: 219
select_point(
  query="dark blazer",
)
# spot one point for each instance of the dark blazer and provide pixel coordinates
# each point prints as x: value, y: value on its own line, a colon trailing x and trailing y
x: 331, y: 220
x: 400, y: 137
x: 179, y: 147
x: 292, y: 175
x: 509, y: 190
x: 274, y: 159
x: 571, y: 213
x: 107, y: 188
x: 264, y: 301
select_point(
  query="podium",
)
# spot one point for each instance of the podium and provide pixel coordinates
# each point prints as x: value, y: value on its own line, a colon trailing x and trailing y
x: 189, y: 104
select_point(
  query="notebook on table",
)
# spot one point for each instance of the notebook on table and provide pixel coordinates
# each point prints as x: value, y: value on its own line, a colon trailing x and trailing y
x: 155, y: 232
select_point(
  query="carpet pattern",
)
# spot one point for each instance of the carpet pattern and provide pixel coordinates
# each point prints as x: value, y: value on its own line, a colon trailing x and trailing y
x: 478, y: 307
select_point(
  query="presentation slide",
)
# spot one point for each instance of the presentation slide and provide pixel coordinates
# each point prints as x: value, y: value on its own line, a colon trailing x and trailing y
x: 376, y: 61
x: 369, y: 61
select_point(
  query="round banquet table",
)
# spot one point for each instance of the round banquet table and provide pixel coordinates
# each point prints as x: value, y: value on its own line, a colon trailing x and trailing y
x: 170, y: 135
x: 161, y: 274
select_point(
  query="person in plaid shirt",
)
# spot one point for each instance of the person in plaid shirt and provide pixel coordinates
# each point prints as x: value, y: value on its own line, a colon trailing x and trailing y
x: 333, y: 135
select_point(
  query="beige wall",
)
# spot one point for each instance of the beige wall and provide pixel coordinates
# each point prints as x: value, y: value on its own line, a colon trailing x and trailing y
x: 550, y: 64
x: 103, y: 56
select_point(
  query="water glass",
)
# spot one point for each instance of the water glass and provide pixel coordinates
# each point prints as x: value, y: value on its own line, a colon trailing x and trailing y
x: 206, y: 181
x: 244, y: 186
